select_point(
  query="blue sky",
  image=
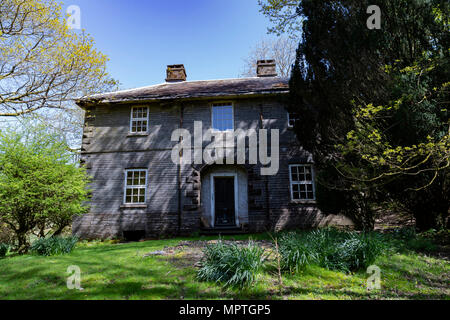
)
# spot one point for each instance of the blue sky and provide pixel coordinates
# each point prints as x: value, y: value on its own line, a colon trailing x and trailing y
x: 141, y: 37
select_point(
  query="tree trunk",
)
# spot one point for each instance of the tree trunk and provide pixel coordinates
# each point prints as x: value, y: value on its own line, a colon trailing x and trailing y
x: 23, y: 245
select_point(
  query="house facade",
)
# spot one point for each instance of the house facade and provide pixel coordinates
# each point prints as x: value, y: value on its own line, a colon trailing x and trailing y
x: 156, y: 170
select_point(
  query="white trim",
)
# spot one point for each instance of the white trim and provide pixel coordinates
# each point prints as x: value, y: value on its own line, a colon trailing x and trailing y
x: 289, y: 120
x: 125, y: 187
x: 139, y: 119
x: 312, y: 181
x: 236, y: 194
x: 218, y: 103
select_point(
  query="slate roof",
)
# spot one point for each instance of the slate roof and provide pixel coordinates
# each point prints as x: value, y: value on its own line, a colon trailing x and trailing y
x: 193, y: 90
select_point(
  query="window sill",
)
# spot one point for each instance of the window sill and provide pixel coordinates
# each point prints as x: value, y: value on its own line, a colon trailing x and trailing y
x: 144, y: 134
x: 303, y: 202
x: 222, y: 131
x: 133, y: 206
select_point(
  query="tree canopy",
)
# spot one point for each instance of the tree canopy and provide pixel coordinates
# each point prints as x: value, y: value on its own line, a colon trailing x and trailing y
x: 44, y: 65
x: 41, y: 188
x: 373, y: 103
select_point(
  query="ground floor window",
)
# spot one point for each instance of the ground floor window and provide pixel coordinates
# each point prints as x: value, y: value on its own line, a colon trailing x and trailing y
x: 302, y: 182
x: 135, y: 186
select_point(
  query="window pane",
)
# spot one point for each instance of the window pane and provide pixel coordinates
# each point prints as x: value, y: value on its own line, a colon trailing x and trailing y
x: 302, y: 182
x: 222, y: 117
x: 135, y: 186
x: 293, y: 117
x: 139, y: 119
x: 294, y: 173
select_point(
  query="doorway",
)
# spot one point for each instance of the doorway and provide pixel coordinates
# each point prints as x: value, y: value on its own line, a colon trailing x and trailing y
x: 224, y: 201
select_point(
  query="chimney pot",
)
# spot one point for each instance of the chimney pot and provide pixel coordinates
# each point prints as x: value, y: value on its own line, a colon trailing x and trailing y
x: 266, y: 68
x: 176, y: 73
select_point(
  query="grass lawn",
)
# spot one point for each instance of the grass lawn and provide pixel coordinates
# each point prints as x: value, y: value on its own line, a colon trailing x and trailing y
x: 119, y: 271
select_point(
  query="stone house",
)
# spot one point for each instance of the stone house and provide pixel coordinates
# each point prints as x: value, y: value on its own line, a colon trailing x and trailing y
x: 145, y: 185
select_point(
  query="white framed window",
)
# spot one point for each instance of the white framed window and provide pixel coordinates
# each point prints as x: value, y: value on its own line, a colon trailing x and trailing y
x: 139, y: 120
x: 302, y: 182
x: 135, y: 186
x: 292, y: 119
x: 222, y: 115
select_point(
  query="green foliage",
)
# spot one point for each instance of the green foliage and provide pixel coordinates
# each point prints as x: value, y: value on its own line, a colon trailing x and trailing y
x: 40, y: 188
x: 329, y: 248
x: 35, y: 40
x: 53, y: 246
x: 296, y: 251
x: 421, y: 244
x: 408, y: 239
x: 230, y: 264
x: 283, y: 14
x: 3, y: 249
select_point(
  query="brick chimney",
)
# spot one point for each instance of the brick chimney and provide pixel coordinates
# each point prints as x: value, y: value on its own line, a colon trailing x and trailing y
x: 176, y: 73
x: 266, y: 68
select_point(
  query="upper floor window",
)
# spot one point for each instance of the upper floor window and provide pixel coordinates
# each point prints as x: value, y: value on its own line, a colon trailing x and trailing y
x: 302, y: 184
x: 222, y: 117
x: 135, y: 186
x: 292, y: 119
x: 139, y: 120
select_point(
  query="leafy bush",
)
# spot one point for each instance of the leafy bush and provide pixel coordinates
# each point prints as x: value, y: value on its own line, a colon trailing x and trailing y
x: 41, y: 188
x: 408, y: 239
x: 406, y: 233
x: 3, y: 249
x: 53, y: 246
x: 421, y: 244
x: 329, y: 248
x: 231, y: 264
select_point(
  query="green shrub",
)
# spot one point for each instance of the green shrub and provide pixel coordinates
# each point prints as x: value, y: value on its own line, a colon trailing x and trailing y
x: 421, y: 244
x: 3, y: 249
x: 408, y: 239
x: 405, y: 233
x: 53, y: 246
x: 329, y: 248
x: 231, y: 264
